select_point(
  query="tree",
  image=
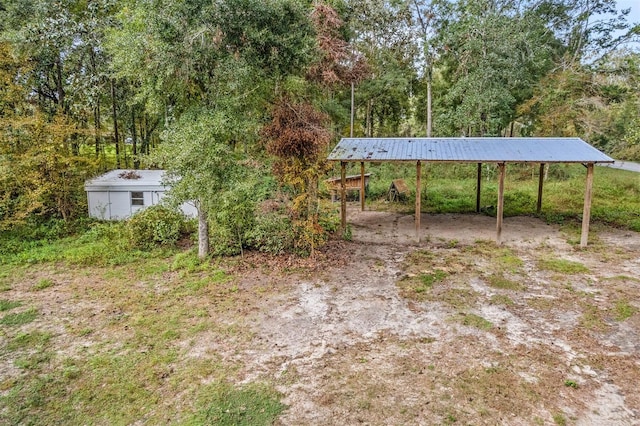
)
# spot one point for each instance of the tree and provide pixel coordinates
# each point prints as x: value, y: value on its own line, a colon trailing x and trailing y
x: 208, y: 68
x: 492, y: 53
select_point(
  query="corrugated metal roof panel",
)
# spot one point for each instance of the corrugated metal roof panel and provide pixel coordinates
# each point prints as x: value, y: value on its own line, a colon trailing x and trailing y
x: 483, y: 150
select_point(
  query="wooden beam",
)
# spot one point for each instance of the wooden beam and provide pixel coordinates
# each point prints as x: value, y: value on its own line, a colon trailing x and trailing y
x: 500, y: 212
x: 586, y: 214
x: 540, y: 183
x: 418, y: 197
x: 478, y: 183
x: 343, y: 196
x: 362, y: 186
x: 352, y: 107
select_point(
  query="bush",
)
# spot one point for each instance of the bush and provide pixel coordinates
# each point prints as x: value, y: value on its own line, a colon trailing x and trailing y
x: 272, y: 233
x: 155, y: 226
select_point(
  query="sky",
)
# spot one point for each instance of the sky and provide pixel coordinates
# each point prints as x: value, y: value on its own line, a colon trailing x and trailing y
x: 634, y: 16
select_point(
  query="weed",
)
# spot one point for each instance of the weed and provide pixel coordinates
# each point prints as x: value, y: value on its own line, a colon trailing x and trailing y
x: 624, y: 310
x: 542, y: 303
x: 559, y: 419
x: 189, y: 262
x: 571, y: 384
x: 42, y: 284
x: 34, y: 361
x: 427, y: 280
x: 499, y: 299
x: 592, y: 319
x: 457, y: 298
x: 562, y: 266
x: 498, y: 280
x: 476, y: 321
x: 21, y: 318
x: 33, y: 340
x: 7, y: 305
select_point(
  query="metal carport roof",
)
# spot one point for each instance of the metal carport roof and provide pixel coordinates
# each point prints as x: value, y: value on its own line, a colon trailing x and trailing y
x: 471, y: 150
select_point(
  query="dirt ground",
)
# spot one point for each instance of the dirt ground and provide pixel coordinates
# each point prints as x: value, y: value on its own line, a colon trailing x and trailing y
x: 384, y: 330
x: 347, y: 347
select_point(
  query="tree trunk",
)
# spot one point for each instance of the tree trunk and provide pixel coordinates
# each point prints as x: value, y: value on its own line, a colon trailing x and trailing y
x: 429, y: 122
x: 96, y: 126
x: 203, y: 233
x: 59, y: 87
x: 116, y: 138
x: 134, y: 136
x: 369, y: 118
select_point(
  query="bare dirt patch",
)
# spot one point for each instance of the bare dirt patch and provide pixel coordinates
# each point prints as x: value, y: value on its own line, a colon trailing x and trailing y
x: 349, y: 345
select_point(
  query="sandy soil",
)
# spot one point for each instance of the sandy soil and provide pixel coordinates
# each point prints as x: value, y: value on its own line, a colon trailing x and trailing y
x: 348, y: 348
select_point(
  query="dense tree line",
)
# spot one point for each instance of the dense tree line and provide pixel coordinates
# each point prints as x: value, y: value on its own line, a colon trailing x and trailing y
x: 213, y: 90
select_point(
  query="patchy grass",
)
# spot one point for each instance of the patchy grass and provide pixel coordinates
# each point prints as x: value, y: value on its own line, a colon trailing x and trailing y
x: 43, y: 283
x: 473, y: 320
x: 624, y: 310
x: 20, y: 318
x: 225, y: 405
x: 592, y: 318
x: 542, y: 303
x: 7, y: 305
x: 498, y: 280
x: 27, y: 341
x: 500, y: 299
x: 562, y: 266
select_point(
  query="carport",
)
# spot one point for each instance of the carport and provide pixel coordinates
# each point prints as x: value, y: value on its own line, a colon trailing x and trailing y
x: 500, y: 151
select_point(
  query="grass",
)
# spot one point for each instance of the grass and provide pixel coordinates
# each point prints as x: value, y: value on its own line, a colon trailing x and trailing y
x: 43, y: 283
x: 473, y: 320
x: 428, y: 279
x: 28, y: 341
x: 499, y: 299
x: 624, y: 310
x: 20, y: 318
x: 7, y: 305
x: 498, y: 280
x: 562, y: 266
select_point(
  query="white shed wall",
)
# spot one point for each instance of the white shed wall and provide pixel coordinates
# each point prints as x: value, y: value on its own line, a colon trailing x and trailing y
x: 99, y: 205
x: 120, y: 203
x: 116, y: 205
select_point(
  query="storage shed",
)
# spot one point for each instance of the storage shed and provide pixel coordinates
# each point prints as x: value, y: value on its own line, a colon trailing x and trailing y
x: 118, y: 194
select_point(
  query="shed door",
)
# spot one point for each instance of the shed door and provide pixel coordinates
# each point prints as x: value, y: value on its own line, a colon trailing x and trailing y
x: 120, y: 205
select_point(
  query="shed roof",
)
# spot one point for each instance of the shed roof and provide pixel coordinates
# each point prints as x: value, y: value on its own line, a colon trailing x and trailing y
x: 125, y: 180
x: 472, y: 150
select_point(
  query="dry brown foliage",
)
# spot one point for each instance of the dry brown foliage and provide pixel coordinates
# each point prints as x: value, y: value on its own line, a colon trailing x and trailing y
x: 340, y: 63
x: 297, y: 131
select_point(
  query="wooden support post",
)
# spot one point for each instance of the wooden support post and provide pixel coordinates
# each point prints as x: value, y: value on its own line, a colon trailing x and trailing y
x: 500, y: 212
x: 586, y: 214
x: 362, y: 186
x: 478, y: 183
x: 352, y: 108
x: 418, y: 197
x: 540, y: 183
x: 343, y: 196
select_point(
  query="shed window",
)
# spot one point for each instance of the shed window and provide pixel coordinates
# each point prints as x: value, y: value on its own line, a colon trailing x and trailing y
x: 137, y: 199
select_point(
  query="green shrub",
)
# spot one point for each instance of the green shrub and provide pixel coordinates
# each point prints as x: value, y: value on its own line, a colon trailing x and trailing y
x: 271, y: 233
x: 222, y: 241
x: 155, y: 226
